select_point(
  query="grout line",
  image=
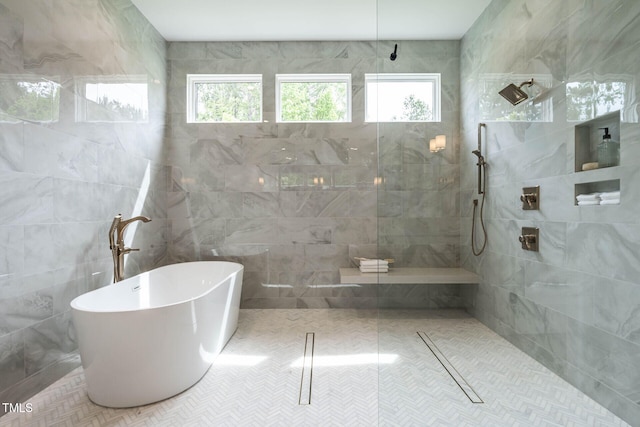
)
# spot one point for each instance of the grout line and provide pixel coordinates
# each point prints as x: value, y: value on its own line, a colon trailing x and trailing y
x: 451, y: 370
x: 304, y: 397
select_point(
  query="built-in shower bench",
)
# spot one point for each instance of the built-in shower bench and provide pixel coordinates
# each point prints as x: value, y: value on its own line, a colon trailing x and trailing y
x: 425, y: 276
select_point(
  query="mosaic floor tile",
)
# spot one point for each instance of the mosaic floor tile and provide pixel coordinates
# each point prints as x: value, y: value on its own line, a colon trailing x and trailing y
x: 369, y: 368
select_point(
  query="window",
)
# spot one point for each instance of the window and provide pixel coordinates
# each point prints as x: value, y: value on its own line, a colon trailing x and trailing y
x: 28, y: 98
x: 224, y: 98
x: 313, y: 98
x: 112, y: 99
x: 402, y: 97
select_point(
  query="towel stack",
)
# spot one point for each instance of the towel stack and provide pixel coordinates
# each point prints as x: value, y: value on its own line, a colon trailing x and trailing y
x: 606, y: 198
x: 588, y: 199
x: 374, y: 266
x: 610, y: 198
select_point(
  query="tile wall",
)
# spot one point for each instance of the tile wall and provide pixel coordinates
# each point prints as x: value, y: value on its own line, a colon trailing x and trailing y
x: 574, y: 305
x: 229, y: 196
x: 68, y: 164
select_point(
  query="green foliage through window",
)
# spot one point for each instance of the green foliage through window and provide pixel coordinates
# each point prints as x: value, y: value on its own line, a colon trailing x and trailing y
x: 313, y: 101
x: 402, y: 97
x: 229, y: 102
x: 37, y: 101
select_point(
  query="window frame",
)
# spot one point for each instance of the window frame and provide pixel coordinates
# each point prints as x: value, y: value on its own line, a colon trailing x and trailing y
x: 434, y: 78
x: 314, y: 78
x: 194, y: 79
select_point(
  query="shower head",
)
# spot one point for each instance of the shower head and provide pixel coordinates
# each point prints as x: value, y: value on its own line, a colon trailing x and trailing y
x: 514, y: 94
x: 394, y: 54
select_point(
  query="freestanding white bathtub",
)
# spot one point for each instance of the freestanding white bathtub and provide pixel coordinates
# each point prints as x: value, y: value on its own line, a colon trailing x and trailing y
x: 154, y: 335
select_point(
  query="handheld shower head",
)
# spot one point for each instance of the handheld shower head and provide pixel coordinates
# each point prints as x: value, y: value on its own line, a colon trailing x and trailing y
x: 514, y: 94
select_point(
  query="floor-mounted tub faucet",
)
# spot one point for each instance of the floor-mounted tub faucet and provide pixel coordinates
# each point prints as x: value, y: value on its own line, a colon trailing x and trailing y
x: 116, y: 243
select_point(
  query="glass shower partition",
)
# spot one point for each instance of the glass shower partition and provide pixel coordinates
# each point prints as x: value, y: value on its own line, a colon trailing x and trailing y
x: 417, y: 114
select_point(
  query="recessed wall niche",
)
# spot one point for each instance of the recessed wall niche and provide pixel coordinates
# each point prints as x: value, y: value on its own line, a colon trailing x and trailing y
x: 587, y: 137
x: 589, y: 134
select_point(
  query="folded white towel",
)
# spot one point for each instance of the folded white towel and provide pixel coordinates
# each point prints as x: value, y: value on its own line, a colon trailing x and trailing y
x: 610, y: 195
x: 610, y: 202
x: 588, y: 202
x: 585, y: 197
x: 373, y: 263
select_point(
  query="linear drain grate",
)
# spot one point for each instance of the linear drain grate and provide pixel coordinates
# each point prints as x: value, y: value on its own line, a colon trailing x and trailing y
x: 307, y: 370
x: 453, y: 372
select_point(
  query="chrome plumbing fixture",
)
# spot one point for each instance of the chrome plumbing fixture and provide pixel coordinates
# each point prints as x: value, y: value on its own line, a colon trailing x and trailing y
x: 116, y: 243
x: 529, y: 239
x: 514, y: 94
x: 482, y: 186
x: 394, y: 54
x: 530, y: 198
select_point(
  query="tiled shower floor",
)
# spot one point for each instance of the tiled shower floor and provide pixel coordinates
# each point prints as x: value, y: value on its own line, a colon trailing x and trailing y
x: 256, y: 380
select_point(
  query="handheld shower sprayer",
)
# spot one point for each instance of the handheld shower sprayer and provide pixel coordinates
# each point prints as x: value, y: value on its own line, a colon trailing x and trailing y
x: 482, y: 182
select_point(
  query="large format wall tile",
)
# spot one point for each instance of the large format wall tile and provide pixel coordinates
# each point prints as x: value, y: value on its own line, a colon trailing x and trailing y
x: 63, y: 178
x: 308, y: 193
x: 572, y: 305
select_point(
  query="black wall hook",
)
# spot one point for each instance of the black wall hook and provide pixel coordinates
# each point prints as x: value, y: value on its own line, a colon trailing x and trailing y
x: 394, y: 55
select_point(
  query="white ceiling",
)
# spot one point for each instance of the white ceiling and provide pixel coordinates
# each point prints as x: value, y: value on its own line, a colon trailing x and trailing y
x: 276, y: 20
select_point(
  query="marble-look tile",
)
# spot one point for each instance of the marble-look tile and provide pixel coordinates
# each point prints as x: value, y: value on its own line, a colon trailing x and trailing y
x: 194, y: 178
x: 12, y: 156
x: 51, y: 153
x: 605, y: 357
x: 215, y: 204
x: 504, y: 271
x: 607, y: 250
x: 192, y: 239
x: 602, y: 393
x: 322, y: 203
x: 49, y: 341
x: 11, y: 359
x: 616, y: 308
x: 51, y: 246
x: 252, y: 231
x: 250, y: 178
x: 11, y: 47
x: 325, y: 257
x: 11, y: 250
x: 360, y: 231
x: 282, y: 257
x: 325, y: 151
x: 305, y: 230
x: 587, y: 274
x: 61, y: 180
x: 25, y: 310
x: 27, y: 199
x: 569, y: 292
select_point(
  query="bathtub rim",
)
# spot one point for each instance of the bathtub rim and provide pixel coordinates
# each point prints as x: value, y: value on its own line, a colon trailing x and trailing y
x: 74, y: 305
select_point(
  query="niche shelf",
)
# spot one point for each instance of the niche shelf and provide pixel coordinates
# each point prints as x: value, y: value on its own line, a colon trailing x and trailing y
x: 588, y: 135
x: 596, y: 187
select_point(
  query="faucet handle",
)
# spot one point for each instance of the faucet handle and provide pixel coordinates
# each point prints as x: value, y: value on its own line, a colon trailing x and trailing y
x: 127, y: 250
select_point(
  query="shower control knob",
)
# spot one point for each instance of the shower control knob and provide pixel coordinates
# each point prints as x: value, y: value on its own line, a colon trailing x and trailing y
x: 529, y: 239
x: 530, y: 198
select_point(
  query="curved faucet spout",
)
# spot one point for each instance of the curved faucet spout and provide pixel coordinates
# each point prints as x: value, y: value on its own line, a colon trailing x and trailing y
x: 122, y: 225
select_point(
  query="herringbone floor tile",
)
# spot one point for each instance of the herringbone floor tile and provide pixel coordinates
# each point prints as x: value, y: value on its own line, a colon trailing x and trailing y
x: 370, y: 368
